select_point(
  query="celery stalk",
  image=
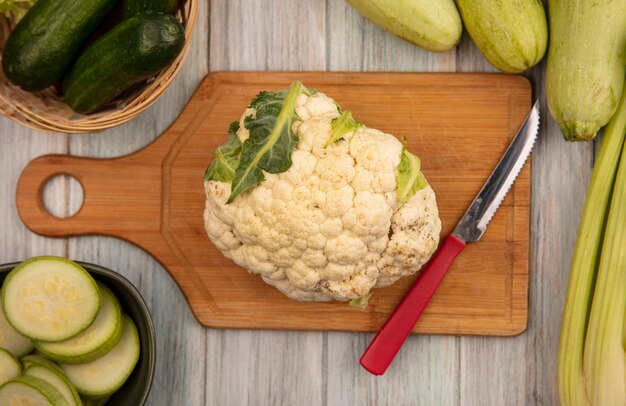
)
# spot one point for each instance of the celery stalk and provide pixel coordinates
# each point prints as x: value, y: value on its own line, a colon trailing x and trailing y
x: 571, y: 379
x: 604, y: 348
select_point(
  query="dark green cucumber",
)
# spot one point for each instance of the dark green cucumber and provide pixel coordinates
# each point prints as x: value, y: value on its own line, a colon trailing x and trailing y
x: 43, y: 46
x: 135, y: 50
x: 134, y: 7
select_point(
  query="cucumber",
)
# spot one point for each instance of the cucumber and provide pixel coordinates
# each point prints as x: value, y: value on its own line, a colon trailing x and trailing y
x: 134, y: 7
x: 105, y: 375
x: 10, y: 367
x: 45, y: 43
x: 50, y: 299
x: 11, y: 340
x: 585, y: 71
x: 98, y: 339
x: 431, y: 24
x: 58, y: 380
x: 28, y: 390
x: 512, y: 35
x: 135, y: 50
x: 34, y: 359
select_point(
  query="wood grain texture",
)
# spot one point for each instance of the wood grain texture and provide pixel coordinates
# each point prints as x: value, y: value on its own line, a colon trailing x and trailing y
x: 201, y: 366
x: 154, y: 198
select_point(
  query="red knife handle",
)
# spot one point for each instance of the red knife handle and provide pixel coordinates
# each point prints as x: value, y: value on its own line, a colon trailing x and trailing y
x: 398, y: 326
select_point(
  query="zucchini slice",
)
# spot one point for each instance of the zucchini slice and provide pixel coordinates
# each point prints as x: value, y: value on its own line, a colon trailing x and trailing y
x: 27, y: 390
x: 58, y: 380
x: 50, y: 299
x: 105, y: 375
x: 10, y: 368
x: 34, y: 359
x: 11, y: 340
x: 94, y: 342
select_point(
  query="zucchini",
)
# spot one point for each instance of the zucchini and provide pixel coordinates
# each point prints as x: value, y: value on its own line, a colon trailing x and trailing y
x: 105, y: 375
x: 10, y: 368
x: 585, y: 71
x: 28, y: 390
x: 431, y: 24
x: 34, y: 359
x: 134, y: 7
x: 50, y: 299
x: 135, y: 50
x: 45, y: 43
x: 512, y: 35
x: 11, y: 340
x: 98, y: 339
x: 58, y: 380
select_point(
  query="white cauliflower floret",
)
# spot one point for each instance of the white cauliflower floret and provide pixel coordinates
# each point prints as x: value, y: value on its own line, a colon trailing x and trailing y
x: 331, y: 226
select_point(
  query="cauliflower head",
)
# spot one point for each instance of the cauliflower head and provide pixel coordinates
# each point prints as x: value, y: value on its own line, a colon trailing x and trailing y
x: 345, y: 217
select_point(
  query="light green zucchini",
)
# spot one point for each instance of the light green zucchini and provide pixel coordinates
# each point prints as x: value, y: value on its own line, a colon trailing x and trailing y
x: 36, y: 359
x: 50, y: 299
x: 511, y: 34
x: 10, y: 367
x: 11, y: 340
x: 105, y: 375
x: 98, y: 339
x: 431, y: 24
x: 585, y: 72
x: 58, y: 380
x: 28, y: 390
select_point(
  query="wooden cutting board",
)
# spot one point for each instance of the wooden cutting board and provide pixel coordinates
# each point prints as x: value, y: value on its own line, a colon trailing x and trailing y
x: 459, y: 125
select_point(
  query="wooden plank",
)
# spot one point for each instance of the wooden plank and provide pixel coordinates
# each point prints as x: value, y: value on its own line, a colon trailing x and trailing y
x: 522, y: 370
x: 426, y: 369
x: 264, y: 368
x: 154, y: 198
x: 181, y: 350
x: 268, y: 35
x: 267, y: 367
x: 18, y: 146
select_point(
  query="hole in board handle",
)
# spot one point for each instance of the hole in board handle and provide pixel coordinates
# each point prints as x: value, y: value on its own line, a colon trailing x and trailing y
x: 62, y: 196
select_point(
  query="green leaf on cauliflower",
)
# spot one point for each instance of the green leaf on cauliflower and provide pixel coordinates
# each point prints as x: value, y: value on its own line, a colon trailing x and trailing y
x: 271, y: 140
x: 360, y: 303
x: 227, y: 158
x: 410, y: 178
x: 341, y: 126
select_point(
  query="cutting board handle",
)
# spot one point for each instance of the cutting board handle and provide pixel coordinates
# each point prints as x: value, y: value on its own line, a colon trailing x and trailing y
x: 104, y: 183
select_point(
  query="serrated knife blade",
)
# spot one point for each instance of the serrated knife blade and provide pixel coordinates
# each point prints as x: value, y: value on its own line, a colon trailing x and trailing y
x: 384, y: 347
x: 474, y: 222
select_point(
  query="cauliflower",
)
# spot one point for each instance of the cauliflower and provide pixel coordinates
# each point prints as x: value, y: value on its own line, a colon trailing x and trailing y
x: 347, y: 210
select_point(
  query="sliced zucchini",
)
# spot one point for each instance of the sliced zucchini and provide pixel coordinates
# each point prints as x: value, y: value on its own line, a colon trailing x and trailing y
x: 11, y: 340
x: 27, y: 390
x: 58, y: 380
x: 50, y: 299
x: 34, y: 359
x: 10, y: 367
x: 105, y: 375
x: 97, y: 340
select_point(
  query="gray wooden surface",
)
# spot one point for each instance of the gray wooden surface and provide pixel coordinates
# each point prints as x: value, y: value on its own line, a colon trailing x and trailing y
x: 198, y: 366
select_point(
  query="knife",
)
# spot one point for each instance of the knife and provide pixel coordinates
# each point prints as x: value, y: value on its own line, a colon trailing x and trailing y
x: 473, y: 224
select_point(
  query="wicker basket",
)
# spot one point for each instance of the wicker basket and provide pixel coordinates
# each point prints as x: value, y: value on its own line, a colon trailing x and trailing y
x: 46, y: 110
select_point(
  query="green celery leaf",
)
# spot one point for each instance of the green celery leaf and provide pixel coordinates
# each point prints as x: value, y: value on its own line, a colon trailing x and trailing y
x: 410, y: 178
x: 227, y: 158
x: 341, y: 126
x: 272, y: 139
